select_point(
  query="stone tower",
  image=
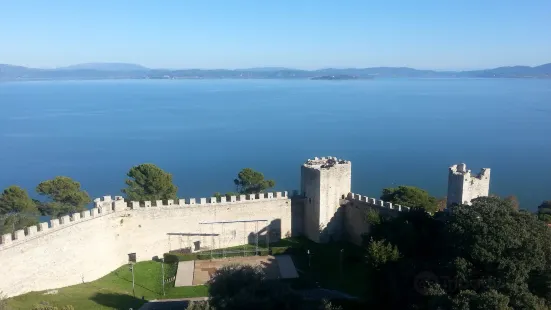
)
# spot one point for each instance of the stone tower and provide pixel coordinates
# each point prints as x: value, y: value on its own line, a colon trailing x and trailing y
x: 324, y: 182
x: 463, y: 187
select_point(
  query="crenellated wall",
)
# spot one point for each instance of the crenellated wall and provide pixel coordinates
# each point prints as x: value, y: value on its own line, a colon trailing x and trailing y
x: 355, y: 211
x: 88, y: 245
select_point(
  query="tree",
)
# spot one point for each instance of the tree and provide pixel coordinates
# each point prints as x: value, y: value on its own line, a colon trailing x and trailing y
x: 380, y: 252
x: 442, y: 203
x: 9, y: 223
x: 65, y: 194
x: 513, y: 200
x: 149, y: 182
x: 250, y: 181
x: 17, y: 210
x: 218, y: 195
x: 410, y: 196
x: 544, y: 211
x: 484, y: 256
x: 244, y: 287
x: 14, y: 199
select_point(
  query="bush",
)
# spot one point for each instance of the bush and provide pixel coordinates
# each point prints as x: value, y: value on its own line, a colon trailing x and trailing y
x: 199, y: 305
x: 3, y: 302
x: 280, y: 250
x: 172, y: 257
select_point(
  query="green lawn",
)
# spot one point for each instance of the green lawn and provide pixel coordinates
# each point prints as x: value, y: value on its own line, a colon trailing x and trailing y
x: 114, y: 291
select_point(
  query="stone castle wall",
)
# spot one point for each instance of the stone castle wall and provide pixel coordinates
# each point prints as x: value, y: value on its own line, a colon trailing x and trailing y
x: 355, y: 215
x: 88, y: 245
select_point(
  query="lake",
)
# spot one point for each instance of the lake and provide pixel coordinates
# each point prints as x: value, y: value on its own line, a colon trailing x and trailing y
x: 395, y: 131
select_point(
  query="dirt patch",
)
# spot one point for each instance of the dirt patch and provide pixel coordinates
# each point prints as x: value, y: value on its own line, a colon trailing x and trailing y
x: 204, y: 269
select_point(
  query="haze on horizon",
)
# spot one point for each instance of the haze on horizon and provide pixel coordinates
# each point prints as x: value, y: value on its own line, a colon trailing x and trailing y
x: 306, y: 34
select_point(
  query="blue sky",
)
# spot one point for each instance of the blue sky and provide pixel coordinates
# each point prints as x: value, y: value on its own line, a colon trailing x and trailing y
x: 290, y: 33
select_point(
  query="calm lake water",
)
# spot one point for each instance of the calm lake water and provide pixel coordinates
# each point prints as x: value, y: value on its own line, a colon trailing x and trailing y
x: 396, y: 131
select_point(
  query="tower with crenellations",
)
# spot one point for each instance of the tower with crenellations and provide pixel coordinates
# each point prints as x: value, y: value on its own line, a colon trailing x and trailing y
x: 463, y: 186
x: 324, y: 182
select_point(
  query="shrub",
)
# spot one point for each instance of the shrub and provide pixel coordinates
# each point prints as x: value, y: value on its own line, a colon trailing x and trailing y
x: 199, y: 305
x: 179, y: 257
x: 280, y: 250
x: 3, y: 302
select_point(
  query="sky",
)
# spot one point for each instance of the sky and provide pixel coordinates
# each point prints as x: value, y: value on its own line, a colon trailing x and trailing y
x: 304, y: 34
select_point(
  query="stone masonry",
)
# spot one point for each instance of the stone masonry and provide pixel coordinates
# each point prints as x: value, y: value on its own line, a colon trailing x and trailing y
x: 464, y: 187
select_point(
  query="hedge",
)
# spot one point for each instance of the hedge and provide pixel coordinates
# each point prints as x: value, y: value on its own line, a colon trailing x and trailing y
x: 173, y: 257
x: 280, y: 250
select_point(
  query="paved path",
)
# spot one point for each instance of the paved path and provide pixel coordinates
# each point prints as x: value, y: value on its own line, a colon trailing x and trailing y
x: 170, y: 304
x: 184, y: 275
x: 204, y: 269
x: 287, y: 268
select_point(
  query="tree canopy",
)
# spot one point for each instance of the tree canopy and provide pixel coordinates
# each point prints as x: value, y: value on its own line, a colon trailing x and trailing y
x: 242, y: 287
x: 544, y: 211
x: 17, y: 210
x: 14, y: 199
x: 410, y: 196
x: 250, y: 181
x: 65, y: 196
x: 149, y: 182
x: 484, y: 256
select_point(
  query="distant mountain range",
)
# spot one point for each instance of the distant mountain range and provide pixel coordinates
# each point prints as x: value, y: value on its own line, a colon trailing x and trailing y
x: 132, y: 71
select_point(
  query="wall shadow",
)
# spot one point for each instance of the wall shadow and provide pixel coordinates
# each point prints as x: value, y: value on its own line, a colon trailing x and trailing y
x: 270, y: 233
x: 118, y: 301
x: 334, y: 230
x: 197, y: 245
x: 297, y: 216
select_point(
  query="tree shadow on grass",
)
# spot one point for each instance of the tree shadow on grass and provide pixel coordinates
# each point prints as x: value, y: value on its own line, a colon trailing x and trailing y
x: 118, y: 301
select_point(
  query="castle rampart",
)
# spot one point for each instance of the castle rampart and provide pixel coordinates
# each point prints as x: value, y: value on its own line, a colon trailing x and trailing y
x: 87, y: 245
x: 356, y: 207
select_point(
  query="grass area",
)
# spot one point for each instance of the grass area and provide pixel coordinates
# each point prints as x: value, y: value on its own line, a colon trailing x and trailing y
x: 114, y: 291
x: 326, y: 267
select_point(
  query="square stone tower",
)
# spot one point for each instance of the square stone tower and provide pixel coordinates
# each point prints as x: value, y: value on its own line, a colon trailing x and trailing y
x: 464, y: 187
x: 324, y: 182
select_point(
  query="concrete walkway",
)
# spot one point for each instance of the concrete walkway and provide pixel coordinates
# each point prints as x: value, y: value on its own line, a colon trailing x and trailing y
x: 184, y: 274
x: 287, y: 268
x: 170, y: 304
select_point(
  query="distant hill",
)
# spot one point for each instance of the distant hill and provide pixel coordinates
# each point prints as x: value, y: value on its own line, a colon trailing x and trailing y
x: 133, y: 71
x: 105, y: 66
x: 265, y: 69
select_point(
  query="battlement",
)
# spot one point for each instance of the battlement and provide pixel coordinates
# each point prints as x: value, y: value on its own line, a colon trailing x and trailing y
x: 32, y: 232
x: 134, y: 205
x: 377, y: 202
x: 325, y: 162
x: 107, y: 205
x: 461, y: 170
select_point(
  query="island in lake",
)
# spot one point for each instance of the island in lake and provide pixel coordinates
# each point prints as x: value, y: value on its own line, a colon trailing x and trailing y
x: 335, y: 77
